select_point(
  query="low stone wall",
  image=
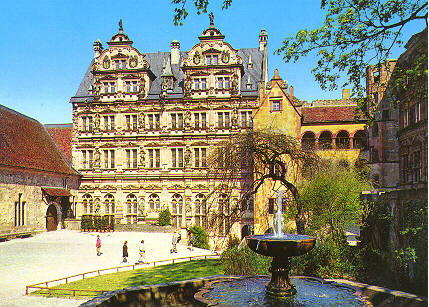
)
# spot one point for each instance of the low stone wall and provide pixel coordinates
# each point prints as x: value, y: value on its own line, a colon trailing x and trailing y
x: 179, y: 293
x: 143, y: 228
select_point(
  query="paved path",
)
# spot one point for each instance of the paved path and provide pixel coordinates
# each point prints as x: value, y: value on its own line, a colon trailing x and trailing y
x: 57, y: 254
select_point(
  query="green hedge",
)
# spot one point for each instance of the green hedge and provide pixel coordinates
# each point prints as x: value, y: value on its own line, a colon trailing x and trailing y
x: 97, y: 222
x: 164, y: 218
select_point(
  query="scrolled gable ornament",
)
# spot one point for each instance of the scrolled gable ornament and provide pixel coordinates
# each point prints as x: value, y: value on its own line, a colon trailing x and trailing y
x: 133, y: 61
x: 106, y: 63
x: 225, y: 56
x: 196, y: 58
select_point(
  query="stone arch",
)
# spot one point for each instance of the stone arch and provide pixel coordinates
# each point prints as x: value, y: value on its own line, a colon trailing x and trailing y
x: 360, y: 139
x: 342, y: 140
x: 308, y: 141
x: 325, y: 140
x: 53, y: 216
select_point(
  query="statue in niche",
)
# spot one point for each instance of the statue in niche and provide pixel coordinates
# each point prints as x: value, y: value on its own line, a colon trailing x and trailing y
x: 234, y: 85
x: 234, y: 119
x: 141, y: 120
x: 188, y: 86
x: 97, y: 158
x: 188, y: 156
x: 142, y: 157
x: 187, y: 119
x: 97, y: 121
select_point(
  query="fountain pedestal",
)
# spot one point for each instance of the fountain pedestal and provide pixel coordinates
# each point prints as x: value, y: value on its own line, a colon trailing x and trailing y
x: 280, y: 284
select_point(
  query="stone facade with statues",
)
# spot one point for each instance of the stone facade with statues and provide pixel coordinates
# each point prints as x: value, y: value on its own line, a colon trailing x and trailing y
x: 144, y: 125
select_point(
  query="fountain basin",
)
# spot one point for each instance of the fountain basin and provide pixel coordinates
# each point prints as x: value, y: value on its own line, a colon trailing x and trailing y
x: 287, y: 245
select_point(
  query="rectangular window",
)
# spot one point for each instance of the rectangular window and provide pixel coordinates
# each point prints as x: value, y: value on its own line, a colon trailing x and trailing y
x: 227, y: 122
x: 106, y: 87
x: 220, y: 119
x: 112, y: 159
x: 150, y: 118
x: 128, y: 121
x: 112, y: 87
x: 173, y: 158
x: 134, y: 153
x: 244, y: 119
x: 197, y: 120
x: 215, y: 59
x: 84, y: 119
x: 134, y: 122
x: 220, y: 83
x: 90, y: 158
x: 131, y: 158
x: 106, y: 159
x: 203, y: 84
x: 180, y: 157
x: 109, y: 159
x: 208, y: 60
x: 151, y: 164
x: 135, y: 87
x: 173, y: 121
x: 203, y: 157
x: 203, y: 120
x: 157, y: 122
x: 124, y: 64
x: 227, y: 82
x: 128, y: 154
x: 197, y: 157
x: 275, y: 105
x: 197, y: 84
x: 128, y: 86
x: 158, y: 158
x: 180, y: 120
x: 117, y: 64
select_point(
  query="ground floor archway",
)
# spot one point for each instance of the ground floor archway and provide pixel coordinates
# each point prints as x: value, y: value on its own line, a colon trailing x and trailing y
x: 51, y: 218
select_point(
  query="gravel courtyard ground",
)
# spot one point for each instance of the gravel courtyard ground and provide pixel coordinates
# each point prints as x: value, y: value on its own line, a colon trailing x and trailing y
x: 58, y: 254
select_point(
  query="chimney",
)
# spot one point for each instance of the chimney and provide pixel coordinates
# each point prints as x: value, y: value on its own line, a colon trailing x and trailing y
x: 175, y: 52
x: 263, y: 37
x: 98, y: 47
x: 346, y: 93
x: 291, y: 92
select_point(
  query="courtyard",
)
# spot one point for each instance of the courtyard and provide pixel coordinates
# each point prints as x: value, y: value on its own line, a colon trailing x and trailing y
x: 57, y: 254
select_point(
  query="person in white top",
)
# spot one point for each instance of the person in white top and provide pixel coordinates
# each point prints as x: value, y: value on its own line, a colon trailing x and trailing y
x: 142, y: 251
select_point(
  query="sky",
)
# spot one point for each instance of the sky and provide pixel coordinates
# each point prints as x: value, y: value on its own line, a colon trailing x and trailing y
x: 47, y: 45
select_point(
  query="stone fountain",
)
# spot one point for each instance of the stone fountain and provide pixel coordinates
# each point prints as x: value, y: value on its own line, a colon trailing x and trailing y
x: 280, y: 247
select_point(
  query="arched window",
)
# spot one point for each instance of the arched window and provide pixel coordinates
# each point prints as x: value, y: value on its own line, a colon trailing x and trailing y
x: 308, y: 141
x: 176, y: 208
x: 343, y: 140
x: 360, y: 140
x: 131, y: 208
x: 325, y: 140
x: 97, y: 206
x: 87, y: 204
x: 200, y: 210
x: 154, y: 204
x: 109, y: 204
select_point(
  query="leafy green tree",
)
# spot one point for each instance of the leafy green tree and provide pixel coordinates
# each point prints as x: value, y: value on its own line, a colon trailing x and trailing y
x: 164, y: 217
x: 330, y: 201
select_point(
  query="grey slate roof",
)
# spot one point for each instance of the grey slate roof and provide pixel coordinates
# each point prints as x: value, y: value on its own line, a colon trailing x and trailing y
x: 156, y: 61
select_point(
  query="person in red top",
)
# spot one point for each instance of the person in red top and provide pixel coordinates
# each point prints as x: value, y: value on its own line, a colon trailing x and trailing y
x: 98, y: 245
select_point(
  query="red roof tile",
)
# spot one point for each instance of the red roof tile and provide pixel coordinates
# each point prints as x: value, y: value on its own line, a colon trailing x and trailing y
x: 328, y: 114
x: 62, y: 136
x: 24, y: 142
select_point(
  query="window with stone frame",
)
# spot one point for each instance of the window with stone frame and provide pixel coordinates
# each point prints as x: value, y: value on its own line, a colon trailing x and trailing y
x: 246, y: 119
x: 200, y: 120
x: 176, y: 210
x: 131, y: 122
x: 224, y: 120
x: 87, y: 124
x: 177, y: 157
x: 131, y: 158
x: 176, y: 120
x: 20, y: 212
x: 200, y: 157
x: 131, y: 202
x: 87, y: 159
x: 109, y: 204
x: 154, y: 203
x: 154, y: 157
x: 276, y: 105
x: 200, y: 210
x: 154, y: 121
x: 109, y: 122
x: 87, y: 204
x: 131, y: 86
x: 109, y: 158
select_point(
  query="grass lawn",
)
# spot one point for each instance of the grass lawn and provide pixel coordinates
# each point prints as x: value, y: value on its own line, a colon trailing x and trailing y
x: 146, y: 276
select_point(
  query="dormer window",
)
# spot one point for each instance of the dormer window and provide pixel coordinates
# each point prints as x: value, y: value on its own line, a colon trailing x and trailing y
x: 212, y: 59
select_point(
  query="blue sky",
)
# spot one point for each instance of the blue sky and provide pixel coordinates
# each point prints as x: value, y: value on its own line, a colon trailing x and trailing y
x: 46, y: 45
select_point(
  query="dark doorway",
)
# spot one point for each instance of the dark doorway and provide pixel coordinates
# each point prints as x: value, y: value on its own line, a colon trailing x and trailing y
x: 51, y: 218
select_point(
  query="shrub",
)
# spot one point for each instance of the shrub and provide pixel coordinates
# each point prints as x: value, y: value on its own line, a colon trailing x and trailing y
x: 201, y: 238
x: 241, y: 260
x: 164, y: 218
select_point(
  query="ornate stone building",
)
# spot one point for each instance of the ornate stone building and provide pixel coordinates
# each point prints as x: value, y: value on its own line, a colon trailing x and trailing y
x: 144, y: 125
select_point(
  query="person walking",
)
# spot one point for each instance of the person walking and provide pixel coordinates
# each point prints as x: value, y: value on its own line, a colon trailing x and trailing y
x: 125, y: 252
x: 191, y: 241
x: 98, y: 245
x: 174, y: 243
x: 142, y: 252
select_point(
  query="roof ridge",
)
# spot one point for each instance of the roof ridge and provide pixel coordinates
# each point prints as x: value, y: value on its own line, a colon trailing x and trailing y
x: 18, y: 113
